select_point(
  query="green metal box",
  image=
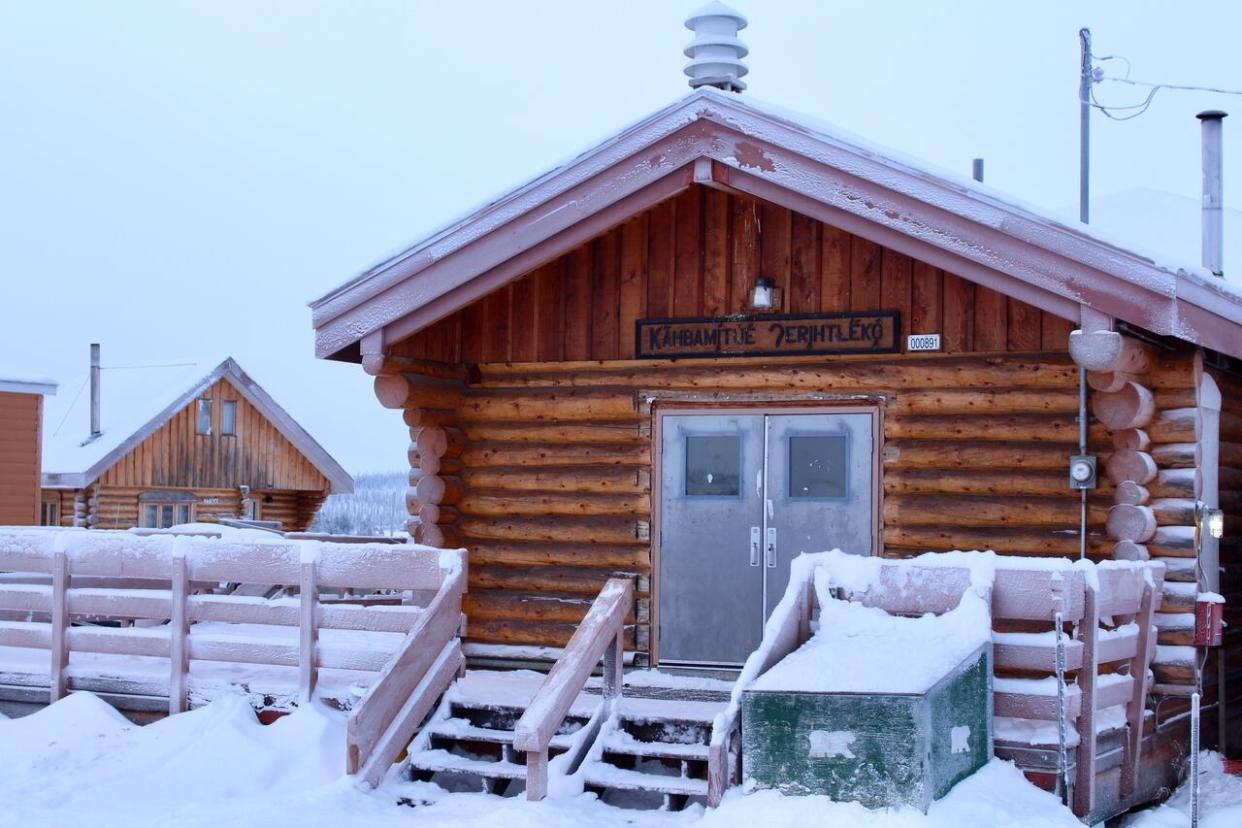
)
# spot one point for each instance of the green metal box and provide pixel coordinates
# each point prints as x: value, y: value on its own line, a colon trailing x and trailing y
x: 877, y: 749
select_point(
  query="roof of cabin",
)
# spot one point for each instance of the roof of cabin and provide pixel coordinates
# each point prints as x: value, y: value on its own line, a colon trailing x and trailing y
x: 135, y: 401
x: 16, y: 382
x: 736, y: 143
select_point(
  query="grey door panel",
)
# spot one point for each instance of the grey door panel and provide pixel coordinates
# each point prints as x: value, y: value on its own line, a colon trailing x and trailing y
x: 741, y: 495
x: 711, y: 594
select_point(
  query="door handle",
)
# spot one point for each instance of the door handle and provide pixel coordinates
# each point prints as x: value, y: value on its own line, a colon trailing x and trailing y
x: 771, y: 550
x: 754, y: 546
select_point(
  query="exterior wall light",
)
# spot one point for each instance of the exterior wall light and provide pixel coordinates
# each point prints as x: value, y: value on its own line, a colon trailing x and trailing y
x: 1214, y: 522
x: 765, y: 295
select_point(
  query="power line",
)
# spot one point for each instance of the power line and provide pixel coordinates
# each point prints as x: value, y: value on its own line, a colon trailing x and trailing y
x: 1097, y: 76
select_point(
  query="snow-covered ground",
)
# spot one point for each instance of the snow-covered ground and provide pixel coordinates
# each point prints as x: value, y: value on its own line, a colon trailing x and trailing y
x: 1220, y: 801
x: 79, y: 763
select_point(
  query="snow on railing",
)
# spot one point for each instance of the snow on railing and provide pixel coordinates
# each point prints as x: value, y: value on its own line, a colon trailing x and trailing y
x: 136, y: 582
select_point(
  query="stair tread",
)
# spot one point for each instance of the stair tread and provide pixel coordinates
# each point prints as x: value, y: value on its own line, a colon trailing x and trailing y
x: 623, y: 743
x: 463, y: 730
x: 659, y: 710
x: 604, y: 775
x: 442, y: 760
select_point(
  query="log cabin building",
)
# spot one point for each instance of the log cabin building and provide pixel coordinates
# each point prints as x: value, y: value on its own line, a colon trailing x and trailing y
x: 156, y: 446
x: 728, y: 335
x: 21, y: 418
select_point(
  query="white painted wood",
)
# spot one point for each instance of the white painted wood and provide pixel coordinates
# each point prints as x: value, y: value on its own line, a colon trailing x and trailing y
x: 536, y: 774
x: 58, y: 682
x: 1027, y: 594
x: 1088, y: 634
x: 308, y: 631
x: 1037, y: 655
x: 1136, y: 705
x: 179, y: 631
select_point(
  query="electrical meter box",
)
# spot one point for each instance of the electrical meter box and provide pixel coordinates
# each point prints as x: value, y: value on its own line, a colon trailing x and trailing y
x: 879, y: 749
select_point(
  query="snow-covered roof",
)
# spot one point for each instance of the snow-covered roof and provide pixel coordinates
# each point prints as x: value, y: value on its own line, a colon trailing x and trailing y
x: 135, y: 401
x: 16, y: 382
x: 736, y: 143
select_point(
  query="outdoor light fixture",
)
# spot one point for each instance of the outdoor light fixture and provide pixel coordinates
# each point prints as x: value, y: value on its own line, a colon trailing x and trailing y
x: 764, y: 296
x: 1211, y: 520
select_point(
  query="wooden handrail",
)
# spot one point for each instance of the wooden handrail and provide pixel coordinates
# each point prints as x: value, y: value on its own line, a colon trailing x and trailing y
x: 598, y: 636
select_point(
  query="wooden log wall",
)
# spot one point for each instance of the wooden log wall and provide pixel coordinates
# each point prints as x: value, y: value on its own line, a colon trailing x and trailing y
x: 258, y: 455
x: 20, y: 435
x: 120, y: 507
x: 698, y: 254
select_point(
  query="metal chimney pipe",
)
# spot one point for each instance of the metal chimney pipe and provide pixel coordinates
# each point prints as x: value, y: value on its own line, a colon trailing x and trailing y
x: 976, y: 170
x: 1213, y: 198
x: 95, y: 430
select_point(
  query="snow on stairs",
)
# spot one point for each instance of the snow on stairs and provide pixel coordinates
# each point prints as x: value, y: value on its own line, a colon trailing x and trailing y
x: 653, y: 751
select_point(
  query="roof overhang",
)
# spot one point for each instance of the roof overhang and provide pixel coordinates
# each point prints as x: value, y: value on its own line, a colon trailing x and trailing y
x: 338, y: 478
x: 23, y: 386
x: 719, y: 140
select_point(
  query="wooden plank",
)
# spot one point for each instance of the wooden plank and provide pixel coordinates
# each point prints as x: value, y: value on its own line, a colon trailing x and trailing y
x: 716, y: 221
x: 895, y: 270
x: 449, y: 663
x: 991, y: 319
x: 661, y: 232
x: 632, y: 291
x: 551, y: 298
x: 578, y: 303
x: 834, y: 269
x: 60, y: 620
x: 604, y: 300
x: 1024, y: 326
x: 1136, y: 705
x: 958, y: 312
x: 744, y: 257
x: 1089, y: 630
x: 1009, y: 652
x: 1027, y: 594
x: 688, y: 264
x: 775, y: 224
x: 524, y: 342
x: 865, y: 261
x: 925, y: 307
x: 804, y: 278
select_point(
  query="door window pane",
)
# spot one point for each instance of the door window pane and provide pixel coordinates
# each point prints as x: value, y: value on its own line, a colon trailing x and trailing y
x: 818, y: 466
x: 713, y: 465
x: 150, y: 517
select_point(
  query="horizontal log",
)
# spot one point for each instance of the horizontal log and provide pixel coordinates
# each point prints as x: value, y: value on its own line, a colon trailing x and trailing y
x: 1134, y: 439
x: 602, y: 479
x: 811, y: 373
x: 1109, y: 351
x: 607, y: 530
x: 1174, y: 673
x: 435, y: 513
x: 1177, y: 455
x: 1127, y: 464
x: 1131, y: 523
x: 976, y: 481
x: 1176, y: 425
x: 571, y: 580
x: 1184, y: 570
x: 1176, y: 483
x: 911, y: 454
x: 635, y: 557
x: 1174, y: 511
x: 585, y: 454
x: 531, y: 633
x: 417, y: 391
x: 440, y: 536
x: 376, y: 364
x: 447, y: 489
x: 1029, y: 541
x: 1130, y: 551
x: 976, y: 401
x: 606, y: 404
x: 1176, y: 637
x: 1172, y: 542
x: 981, y: 510
x: 425, y: 417
x: 485, y: 605
x: 1131, y: 492
x: 1177, y: 601
x: 1040, y: 427
x: 1131, y: 407
x: 627, y: 432
x: 1169, y: 398
x: 549, y: 504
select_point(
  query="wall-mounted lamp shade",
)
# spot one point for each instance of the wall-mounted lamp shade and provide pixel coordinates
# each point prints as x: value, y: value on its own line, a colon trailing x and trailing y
x: 1214, y: 522
x: 762, y: 297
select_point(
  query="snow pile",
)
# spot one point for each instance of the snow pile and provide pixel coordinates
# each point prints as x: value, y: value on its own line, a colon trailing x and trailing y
x: 1220, y: 801
x: 856, y: 646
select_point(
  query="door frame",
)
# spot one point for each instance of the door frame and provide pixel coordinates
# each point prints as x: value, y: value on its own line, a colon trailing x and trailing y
x: 672, y: 407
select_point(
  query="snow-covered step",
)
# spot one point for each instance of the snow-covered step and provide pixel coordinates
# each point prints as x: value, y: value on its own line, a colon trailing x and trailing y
x: 462, y: 731
x: 441, y: 761
x: 626, y: 745
x: 603, y: 775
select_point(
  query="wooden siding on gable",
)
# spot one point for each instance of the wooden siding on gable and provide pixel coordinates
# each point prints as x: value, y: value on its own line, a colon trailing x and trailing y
x: 698, y: 254
x: 258, y: 455
x: 19, y: 458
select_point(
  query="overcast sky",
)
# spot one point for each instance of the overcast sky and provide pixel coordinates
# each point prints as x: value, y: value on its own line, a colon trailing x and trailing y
x: 182, y: 178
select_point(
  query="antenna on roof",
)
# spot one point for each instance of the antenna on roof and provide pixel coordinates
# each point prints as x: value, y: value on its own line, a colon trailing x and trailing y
x: 716, y: 53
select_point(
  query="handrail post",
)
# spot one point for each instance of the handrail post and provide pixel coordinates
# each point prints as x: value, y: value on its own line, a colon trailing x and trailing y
x: 179, y: 629
x: 58, y: 685
x: 614, y: 661
x: 308, y: 622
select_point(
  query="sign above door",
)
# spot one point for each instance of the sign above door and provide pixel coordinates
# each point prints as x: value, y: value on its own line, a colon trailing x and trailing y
x: 793, y: 334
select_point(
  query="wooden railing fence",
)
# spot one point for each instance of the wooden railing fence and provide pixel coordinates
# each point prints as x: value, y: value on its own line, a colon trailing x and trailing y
x: 600, y: 635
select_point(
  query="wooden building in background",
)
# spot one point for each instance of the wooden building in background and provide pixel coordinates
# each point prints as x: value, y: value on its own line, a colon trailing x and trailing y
x: 727, y: 335
x: 21, y: 417
x: 172, y: 444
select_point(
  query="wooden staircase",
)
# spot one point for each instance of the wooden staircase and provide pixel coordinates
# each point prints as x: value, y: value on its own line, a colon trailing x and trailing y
x: 649, y: 751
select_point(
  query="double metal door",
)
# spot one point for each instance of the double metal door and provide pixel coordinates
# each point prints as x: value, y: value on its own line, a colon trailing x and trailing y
x: 741, y: 496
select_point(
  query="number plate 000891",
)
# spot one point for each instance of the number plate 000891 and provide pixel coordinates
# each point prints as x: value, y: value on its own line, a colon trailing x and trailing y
x: 923, y: 342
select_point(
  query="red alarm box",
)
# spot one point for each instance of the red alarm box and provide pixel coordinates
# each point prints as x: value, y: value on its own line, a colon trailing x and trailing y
x: 1209, y: 619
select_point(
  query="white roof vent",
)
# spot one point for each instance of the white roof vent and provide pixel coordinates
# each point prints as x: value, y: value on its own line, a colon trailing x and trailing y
x: 716, y: 53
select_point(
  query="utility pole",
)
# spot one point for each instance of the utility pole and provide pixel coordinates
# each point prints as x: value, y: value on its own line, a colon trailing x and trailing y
x: 1084, y: 127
